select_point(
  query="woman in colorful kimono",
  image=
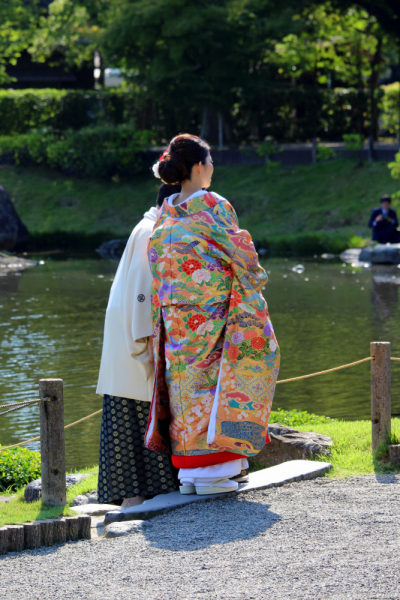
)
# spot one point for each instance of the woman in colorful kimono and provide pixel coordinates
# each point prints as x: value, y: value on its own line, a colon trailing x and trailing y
x: 216, y: 355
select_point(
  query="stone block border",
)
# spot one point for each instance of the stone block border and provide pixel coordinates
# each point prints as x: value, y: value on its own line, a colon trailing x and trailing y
x: 16, y: 538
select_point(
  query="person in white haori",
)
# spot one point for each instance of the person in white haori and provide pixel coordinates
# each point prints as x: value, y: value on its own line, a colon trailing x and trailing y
x: 128, y: 471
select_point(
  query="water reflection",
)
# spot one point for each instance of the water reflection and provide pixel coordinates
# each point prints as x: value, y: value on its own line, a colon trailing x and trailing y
x: 51, y: 325
x: 9, y: 283
x: 385, y: 290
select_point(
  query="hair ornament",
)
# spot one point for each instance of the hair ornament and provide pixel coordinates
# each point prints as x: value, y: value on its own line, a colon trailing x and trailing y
x: 156, y: 165
x: 155, y: 170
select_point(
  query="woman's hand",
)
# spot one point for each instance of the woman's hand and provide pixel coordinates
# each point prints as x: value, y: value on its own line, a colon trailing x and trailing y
x: 150, y: 348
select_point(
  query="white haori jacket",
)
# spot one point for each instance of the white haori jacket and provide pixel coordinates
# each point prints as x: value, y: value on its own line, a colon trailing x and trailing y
x: 126, y: 370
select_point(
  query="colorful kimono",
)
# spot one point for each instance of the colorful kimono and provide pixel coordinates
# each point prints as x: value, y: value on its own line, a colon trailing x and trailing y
x: 216, y: 355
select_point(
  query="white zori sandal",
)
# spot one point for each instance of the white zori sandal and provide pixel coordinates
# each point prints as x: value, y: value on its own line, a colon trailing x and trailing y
x: 223, y: 486
x: 219, y: 486
x: 190, y: 488
x: 187, y: 489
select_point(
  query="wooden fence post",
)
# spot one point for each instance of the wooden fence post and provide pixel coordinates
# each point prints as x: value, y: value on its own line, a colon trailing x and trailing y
x: 52, y: 442
x: 381, y: 405
x: 314, y: 150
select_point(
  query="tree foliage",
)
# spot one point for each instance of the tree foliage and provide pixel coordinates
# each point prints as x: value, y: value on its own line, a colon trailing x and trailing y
x: 205, y: 51
x: 332, y: 48
x: 387, y: 12
x: 17, y: 22
x: 68, y: 32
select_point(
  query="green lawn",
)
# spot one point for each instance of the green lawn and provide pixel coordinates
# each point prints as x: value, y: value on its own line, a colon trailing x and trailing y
x: 351, y: 451
x: 299, y: 209
x: 18, y: 511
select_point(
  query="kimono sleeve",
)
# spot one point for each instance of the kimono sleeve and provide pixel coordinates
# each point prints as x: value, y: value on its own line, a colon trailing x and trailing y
x: 238, y: 246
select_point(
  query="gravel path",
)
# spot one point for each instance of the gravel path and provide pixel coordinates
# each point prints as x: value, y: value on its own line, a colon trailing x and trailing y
x: 308, y: 540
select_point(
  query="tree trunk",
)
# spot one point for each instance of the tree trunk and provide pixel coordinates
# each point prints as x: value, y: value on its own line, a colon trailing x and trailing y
x: 373, y: 85
x: 204, y: 123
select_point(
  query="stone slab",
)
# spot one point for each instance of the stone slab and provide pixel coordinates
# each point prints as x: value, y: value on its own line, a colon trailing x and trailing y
x: 97, y: 527
x: 126, y: 528
x: 94, y: 509
x: 294, y: 470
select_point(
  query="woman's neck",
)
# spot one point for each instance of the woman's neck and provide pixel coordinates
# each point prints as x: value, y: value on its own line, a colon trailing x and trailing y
x: 188, y: 189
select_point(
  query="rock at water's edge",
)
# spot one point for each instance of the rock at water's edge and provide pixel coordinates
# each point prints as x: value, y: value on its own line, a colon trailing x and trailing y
x: 33, y: 490
x: 113, y: 249
x: 289, y: 444
x: 381, y: 254
x: 12, y: 231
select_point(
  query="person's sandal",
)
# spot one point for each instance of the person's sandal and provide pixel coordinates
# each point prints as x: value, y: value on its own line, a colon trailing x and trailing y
x: 187, y: 489
x: 224, y: 487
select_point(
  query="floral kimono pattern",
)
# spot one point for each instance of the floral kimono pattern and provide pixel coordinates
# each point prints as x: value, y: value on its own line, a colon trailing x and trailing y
x: 215, y: 351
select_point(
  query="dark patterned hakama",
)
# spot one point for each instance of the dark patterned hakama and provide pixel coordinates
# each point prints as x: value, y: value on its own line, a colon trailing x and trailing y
x: 126, y: 467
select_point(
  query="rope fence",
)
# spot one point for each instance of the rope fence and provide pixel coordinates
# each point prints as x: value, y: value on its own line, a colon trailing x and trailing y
x: 18, y: 405
x: 35, y: 439
x: 357, y: 362
x: 52, y: 429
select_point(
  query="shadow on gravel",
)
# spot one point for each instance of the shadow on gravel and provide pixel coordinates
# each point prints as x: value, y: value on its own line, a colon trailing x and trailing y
x: 387, y: 477
x: 201, y: 525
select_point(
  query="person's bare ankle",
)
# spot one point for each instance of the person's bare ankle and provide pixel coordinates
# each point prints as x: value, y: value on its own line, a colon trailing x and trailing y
x: 135, y: 501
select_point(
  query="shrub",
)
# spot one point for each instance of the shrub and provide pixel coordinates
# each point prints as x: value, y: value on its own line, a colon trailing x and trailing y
x: 353, y: 142
x: 325, y: 153
x: 389, y: 117
x: 395, y: 167
x: 294, y: 417
x: 24, y: 110
x: 91, y: 152
x: 293, y: 114
x: 18, y: 466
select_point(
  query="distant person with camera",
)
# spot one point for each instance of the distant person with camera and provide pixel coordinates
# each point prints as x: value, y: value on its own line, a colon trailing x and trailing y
x: 384, y: 223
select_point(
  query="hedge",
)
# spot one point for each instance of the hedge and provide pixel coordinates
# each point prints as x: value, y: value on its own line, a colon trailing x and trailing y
x: 18, y: 466
x: 91, y: 152
x: 24, y: 110
x: 285, y: 114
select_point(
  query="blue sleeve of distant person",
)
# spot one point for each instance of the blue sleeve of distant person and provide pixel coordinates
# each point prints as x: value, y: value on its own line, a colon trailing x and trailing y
x: 373, y: 216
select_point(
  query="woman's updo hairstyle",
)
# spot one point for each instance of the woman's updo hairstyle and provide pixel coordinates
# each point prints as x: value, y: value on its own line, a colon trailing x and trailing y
x: 183, y: 152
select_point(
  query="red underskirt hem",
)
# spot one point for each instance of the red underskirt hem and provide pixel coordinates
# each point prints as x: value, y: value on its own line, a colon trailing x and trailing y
x: 203, y: 460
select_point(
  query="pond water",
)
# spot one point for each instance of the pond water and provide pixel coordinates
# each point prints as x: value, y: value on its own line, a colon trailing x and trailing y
x: 51, y: 325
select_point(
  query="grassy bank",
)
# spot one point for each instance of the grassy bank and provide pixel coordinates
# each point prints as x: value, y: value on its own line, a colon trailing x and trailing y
x: 350, y: 456
x: 300, y: 210
x: 17, y: 511
x: 351, y: 453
